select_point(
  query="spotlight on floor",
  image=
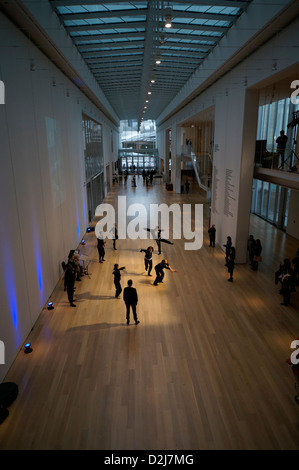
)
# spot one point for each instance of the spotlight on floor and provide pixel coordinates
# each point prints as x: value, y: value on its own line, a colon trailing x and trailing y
x: 83, y: 242
x: 50, y: 306
x: 27, y: 348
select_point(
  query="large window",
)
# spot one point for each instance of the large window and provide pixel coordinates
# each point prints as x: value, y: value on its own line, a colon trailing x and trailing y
x: 271, y: 202
x: 93, y: 147
x: 138, y: 147
x: 272, y: 118
x: 94, y: 163
x: 131, y: 137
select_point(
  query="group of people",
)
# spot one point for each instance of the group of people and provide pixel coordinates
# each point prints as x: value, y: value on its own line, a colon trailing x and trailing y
x: 130, y: 296
x: 288, y: 277
x: 148, y: 176
x: 254, y: 248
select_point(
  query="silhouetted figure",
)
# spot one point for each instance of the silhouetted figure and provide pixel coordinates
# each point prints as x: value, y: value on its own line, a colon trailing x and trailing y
x: 159, y: 268
x: 212, y: 235
x: 131, y: 299
x: 69, y: 283
x: 117, y: 277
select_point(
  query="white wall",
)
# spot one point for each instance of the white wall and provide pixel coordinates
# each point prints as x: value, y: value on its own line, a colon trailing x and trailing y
x: 43, y: 210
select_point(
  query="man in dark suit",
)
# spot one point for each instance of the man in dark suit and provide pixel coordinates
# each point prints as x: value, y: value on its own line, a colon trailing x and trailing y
x: 131, y: 299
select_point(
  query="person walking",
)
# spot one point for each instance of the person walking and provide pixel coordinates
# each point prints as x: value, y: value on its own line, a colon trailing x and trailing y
x: 130, y: 297
x: 212, y: 235
x: 117, y: 277
x: 148, y: 259
x: 159, y: 268
x: 69, y: 282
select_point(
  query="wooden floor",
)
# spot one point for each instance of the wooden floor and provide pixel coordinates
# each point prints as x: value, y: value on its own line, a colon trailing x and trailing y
x: 204, y: 369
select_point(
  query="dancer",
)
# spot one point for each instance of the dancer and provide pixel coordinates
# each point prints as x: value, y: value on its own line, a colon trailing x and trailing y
x: 117, y: 278
x: 156, y: 234
x: 131, y: 299
x: 148, y: 259
x: 159, y: 268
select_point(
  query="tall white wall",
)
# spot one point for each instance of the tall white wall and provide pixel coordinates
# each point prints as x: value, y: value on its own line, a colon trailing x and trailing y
x: 43, y: 210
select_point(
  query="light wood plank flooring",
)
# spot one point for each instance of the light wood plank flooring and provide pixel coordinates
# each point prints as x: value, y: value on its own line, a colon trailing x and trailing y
x: 205, y: 369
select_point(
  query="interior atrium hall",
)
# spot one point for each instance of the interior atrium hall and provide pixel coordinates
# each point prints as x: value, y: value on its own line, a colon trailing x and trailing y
x: 127, y: 125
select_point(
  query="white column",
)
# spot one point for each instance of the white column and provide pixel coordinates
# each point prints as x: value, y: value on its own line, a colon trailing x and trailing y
x: 233, y: 165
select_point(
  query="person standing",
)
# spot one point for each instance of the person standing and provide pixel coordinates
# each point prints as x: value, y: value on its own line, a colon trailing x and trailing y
x: 187, y: 186
x: 148, y: 259
x: 114, y: 232
x: 227, y: 248
x: 231, y: 263
x: 296, y: 267
x: 69, y: 282
x: 212, y: 235
x: 130, y: 297
x: 288, y: 286
x: 257, y: 252
x: 101, y: 249
x: 159, y: 268
x: 250, y: 248
x: 281, y: 146
x: 117, y: 278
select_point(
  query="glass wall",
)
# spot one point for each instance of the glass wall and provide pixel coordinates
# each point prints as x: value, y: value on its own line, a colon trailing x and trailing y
x: 93, y: 148
x: 272, y: 118
x: 94, y: 163
x: 271, y: 202
x: 137, y: 147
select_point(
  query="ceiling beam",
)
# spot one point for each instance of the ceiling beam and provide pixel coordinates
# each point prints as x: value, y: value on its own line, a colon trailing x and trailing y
x: 103, y: 26
x: 224, y: 3
x: 141, y: 12
x: 133, y: 35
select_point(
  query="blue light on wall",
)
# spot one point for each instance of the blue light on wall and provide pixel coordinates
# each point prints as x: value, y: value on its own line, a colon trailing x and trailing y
x: 11, y: 295
x: 78, y: 223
